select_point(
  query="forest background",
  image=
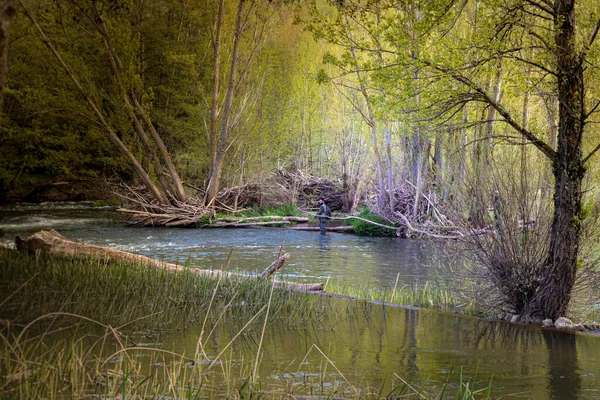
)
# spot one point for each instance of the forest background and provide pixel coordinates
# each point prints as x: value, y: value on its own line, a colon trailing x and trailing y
x: 434, y: 113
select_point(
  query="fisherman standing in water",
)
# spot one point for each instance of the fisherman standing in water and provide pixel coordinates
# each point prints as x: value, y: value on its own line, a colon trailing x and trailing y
x: 323, y: 214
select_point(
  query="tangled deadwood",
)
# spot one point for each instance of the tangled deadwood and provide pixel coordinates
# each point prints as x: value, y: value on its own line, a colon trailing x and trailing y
x: 427, y: 219
x: 284, y: 187
x: 145, y: 211
x: 234, y: 198
x: 306, y: 190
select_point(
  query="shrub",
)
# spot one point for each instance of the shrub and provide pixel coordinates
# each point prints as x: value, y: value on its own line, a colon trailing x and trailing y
x: 363, y: 228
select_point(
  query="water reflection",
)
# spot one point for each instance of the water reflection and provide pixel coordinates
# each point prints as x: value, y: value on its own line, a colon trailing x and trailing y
x: 369, y: 344
x: 410, y: 346
x: 323, y: 250
x: 564, y: 381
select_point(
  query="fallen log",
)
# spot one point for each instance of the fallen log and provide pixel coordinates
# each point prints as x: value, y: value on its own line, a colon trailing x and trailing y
x: 271, y: 217
x: 343, y: 228
x: 58, y: 245
x: 245, y: 225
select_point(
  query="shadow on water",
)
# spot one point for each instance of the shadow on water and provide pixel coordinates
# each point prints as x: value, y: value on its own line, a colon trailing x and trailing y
x: 564, y: 381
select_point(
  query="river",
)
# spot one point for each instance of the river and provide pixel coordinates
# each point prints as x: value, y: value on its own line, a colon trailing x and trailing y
x: 368, y: 350
x: 348, y: 259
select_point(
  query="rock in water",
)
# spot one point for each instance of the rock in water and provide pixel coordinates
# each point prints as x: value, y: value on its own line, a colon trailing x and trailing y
x: 20, y: 243
x: 563, y: 323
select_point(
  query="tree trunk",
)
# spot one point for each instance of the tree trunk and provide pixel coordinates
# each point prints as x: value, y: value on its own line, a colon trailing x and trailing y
x: 136, y: 112
x: 390, y: 171
x: 214, y: 109
x: 221, y: 141
x: 523, y: 179
x: 551, y: 111
x: 488, y: 151
x: 370, y: 117
x: 7, y: 10
x: 554, y: 294
x: 462, y: 169
x: 438, y: 159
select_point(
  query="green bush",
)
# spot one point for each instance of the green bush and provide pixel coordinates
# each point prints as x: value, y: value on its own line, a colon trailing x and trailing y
x: 363, y: 228
x: 107, y: 203
x: 287, y: 210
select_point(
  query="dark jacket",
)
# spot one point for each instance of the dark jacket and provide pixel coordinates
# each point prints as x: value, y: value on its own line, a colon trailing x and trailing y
x: 324, y: 212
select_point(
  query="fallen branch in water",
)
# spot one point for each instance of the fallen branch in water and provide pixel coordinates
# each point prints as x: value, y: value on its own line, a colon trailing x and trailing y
x: 456, y: 235
x: 275, y: 266
x: 58, y: 245
x: 271, y: 217
x: 394, y: 228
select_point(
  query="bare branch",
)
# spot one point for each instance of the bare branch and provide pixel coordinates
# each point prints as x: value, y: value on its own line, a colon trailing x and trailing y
x: 586, y: 48
x: 546, y: 7
x: 585, y: 160
x: 484, y: 97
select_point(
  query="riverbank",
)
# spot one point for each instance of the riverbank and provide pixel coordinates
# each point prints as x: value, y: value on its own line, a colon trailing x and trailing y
x: 92, y: 317
x: 107, y: 328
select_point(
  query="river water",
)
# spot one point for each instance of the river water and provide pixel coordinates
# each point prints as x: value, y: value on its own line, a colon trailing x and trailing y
x: 369, y: 349
x: 348, y: 259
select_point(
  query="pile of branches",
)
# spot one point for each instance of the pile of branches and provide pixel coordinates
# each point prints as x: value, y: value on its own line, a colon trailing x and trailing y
x: 306, y: 190
x: 145, y: 211
x: 284, y: 187
x: 234, y: 198
x: 428, y: 220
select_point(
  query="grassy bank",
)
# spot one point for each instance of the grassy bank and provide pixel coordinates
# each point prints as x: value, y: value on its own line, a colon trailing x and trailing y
x: 67, y: 328
x: 119, y: 293
x: 427, y: 295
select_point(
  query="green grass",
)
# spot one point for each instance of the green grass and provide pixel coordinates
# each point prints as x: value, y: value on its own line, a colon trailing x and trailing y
x: 427, y: 295
x: 117, y: 293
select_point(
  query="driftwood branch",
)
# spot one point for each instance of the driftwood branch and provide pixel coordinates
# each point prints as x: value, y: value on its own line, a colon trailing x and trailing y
x: 424, y: 232
x: 394, y: 228
x: 58, y: 245
x: 275, y: 266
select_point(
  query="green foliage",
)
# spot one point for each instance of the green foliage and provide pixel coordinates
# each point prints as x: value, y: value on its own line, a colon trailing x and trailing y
x: 363, y: 228
x: 589, y: 208
x: 287, y: 210
x: 115, y: 202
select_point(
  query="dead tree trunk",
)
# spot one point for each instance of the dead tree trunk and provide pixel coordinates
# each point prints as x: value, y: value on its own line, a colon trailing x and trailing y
x: 7, y: 10
x: 58, y: 245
